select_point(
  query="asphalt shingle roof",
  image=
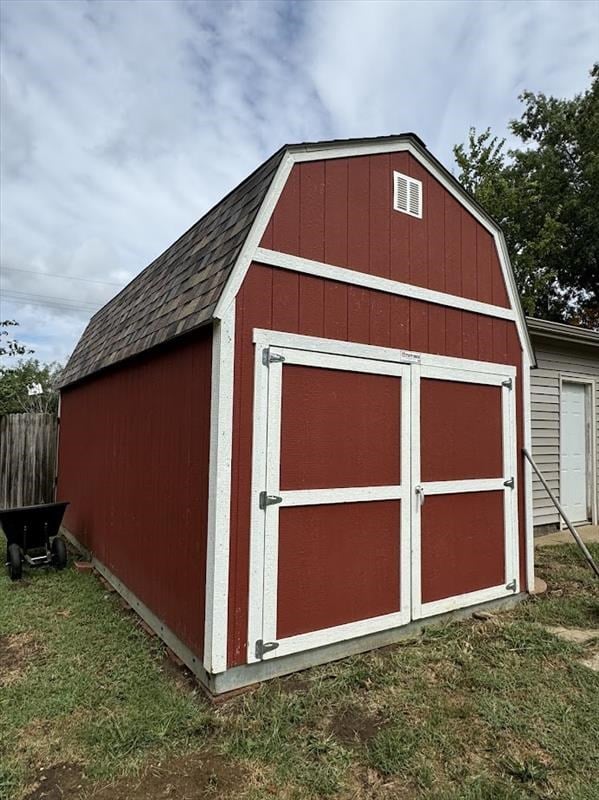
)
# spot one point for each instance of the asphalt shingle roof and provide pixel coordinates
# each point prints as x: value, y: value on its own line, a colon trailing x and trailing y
x: 179, y: 290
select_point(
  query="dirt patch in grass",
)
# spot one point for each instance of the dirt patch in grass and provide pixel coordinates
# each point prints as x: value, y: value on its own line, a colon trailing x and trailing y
x: 191, y: 777
x: 181, y: 676
x: 354, y: 726
x: 57, y: 783
x: 574, y: 635
x: 16, y: 653
x: 366, y: 784
x: 297, y: 682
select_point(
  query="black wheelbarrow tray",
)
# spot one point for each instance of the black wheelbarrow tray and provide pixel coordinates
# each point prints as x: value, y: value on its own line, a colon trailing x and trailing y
x: 32, y: 536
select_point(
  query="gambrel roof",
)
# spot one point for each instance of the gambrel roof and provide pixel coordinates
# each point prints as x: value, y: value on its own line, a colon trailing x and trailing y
x: 181, y: 289
x: 177, y: 291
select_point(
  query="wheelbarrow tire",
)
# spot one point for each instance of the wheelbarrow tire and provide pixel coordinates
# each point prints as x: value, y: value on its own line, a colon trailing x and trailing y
x: 15, y: 562
x: 59, y: 553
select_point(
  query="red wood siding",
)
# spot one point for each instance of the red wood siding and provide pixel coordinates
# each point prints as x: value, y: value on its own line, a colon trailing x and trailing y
x: 462, y: 548
x: 324, y: 576
x: 329, y: 422
x: 282, y: 300
x: 453, y: 416
x: 341, y: 212
x: 133, y: 462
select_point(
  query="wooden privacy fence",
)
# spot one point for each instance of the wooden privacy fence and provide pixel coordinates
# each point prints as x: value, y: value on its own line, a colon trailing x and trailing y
x: 27, y: 459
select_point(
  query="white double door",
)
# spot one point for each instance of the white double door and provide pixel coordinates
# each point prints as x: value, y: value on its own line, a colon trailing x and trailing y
x: 383, y: 491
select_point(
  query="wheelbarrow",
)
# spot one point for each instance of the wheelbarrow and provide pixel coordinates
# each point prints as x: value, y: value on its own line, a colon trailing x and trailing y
x: 32, y: 537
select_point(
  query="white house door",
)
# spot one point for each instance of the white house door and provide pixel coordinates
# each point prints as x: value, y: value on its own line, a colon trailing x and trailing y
x: 573, y: 477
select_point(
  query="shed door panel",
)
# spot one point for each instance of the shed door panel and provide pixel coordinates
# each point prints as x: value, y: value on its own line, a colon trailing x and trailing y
x: 339, y: 428
x: 338, y: 563
x: 462, y: 544
x: 464, y: 511
x: 454, y: 416
x: 336, y: 542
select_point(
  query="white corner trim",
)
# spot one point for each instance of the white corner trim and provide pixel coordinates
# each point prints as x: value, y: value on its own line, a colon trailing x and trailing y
x: 360, y: 278
x: 219, y: 493
x: 524, y: 464
x: 513, y: 295
x: 252, y: 241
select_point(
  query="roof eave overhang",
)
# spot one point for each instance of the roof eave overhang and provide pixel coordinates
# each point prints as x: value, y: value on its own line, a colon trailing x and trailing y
x: 564, y: 334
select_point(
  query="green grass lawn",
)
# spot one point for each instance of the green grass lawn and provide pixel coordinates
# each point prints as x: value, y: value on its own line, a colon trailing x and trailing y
x: 497, y: 709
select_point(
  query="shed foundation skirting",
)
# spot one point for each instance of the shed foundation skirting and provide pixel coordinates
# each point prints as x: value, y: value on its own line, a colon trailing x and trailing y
x: 248, y: 674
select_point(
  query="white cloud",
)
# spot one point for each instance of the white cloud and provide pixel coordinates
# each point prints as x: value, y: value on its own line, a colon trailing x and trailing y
x: 122, y: 122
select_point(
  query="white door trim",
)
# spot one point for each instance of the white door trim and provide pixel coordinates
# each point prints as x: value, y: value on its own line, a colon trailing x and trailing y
x: 265, y: 338
x: 591, y: 453
x: 328, y: 353
x: 352, y: 494
x: 262, y: 620
x: 510, y: 495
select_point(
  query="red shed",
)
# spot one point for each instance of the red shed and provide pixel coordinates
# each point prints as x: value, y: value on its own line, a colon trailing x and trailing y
x: 298, y: 433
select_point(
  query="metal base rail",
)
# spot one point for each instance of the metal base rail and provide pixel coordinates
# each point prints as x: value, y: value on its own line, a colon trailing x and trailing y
x: 556, y: 503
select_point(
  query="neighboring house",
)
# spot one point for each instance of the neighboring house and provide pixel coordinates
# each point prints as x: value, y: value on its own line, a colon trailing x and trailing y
x: 565, y: 421
x: 298, y: 433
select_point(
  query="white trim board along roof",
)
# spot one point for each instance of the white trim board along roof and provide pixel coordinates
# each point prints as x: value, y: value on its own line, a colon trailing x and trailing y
x: 196, y: 279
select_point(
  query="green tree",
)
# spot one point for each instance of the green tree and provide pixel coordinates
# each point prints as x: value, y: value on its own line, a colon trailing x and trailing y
x: 545, y: 195
x: 16, y: 380
x: 15, y: 384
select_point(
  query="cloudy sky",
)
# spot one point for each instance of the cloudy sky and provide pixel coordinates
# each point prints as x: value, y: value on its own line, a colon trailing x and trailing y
x: 123, y: 122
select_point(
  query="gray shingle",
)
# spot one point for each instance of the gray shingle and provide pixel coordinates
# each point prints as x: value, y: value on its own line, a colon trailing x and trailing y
x: 180, y: 289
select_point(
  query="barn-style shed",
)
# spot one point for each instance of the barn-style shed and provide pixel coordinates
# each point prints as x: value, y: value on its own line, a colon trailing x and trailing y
x: 297, y: 434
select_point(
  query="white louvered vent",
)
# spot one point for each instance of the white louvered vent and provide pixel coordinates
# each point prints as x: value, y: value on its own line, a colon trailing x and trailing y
x: 407, y: 195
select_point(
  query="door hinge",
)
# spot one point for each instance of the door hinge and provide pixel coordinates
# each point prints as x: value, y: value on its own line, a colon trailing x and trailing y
x: 265, y: 647
x: 509, y: 384
x: 509, y: 484
x: 269, y: 500
x: 511, y: 586
x: 271, y: 358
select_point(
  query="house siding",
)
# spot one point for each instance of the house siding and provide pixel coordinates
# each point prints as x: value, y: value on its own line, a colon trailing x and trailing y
x: 555, y: 360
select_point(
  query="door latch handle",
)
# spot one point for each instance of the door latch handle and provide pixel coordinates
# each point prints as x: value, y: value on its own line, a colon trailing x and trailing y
x: 420, y: 492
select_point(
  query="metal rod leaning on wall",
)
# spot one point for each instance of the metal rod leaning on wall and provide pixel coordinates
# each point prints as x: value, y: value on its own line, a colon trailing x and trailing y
x: 561, y: 511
